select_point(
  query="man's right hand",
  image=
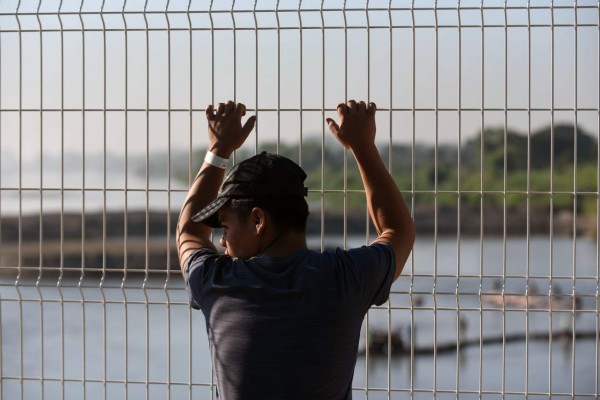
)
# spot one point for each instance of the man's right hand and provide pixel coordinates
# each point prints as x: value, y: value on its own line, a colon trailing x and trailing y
x: 356, y: 124
x: 225, y: 131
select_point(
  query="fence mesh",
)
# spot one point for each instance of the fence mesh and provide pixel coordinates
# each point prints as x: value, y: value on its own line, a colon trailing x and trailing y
x: 488, y: 119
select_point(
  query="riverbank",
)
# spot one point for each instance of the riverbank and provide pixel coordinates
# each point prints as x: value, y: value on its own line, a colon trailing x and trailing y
x: 146, y: 233
x: 445, y: 221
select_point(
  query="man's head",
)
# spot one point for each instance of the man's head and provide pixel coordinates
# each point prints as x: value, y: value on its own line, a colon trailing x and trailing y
x: 261, y: 196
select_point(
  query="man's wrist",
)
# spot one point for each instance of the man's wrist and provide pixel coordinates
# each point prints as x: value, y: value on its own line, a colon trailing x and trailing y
x: 216, y: 161
x: 220, y: 151
x: 365, y: 150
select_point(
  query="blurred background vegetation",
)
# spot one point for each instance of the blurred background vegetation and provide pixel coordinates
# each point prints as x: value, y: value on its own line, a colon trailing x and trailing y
x: 541, y: 163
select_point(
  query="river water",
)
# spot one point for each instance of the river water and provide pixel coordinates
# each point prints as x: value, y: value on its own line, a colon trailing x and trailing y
x: 111, y: 331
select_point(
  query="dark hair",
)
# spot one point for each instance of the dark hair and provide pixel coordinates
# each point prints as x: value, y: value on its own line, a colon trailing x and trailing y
x: 288, y: 212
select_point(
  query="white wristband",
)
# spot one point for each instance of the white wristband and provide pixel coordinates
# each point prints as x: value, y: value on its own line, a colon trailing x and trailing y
x: 216, y: 161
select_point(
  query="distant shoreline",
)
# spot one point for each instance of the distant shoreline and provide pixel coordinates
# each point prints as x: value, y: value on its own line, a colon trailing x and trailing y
x: 105, y: 237
x: 445, y: 221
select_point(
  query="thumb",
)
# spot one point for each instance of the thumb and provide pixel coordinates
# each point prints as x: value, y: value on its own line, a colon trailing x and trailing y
x: 249, y: 125
x: 333, y: 126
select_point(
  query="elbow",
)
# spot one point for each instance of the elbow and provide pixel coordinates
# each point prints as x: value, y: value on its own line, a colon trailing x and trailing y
x: 401, y: 237
x: 410, y: 234
x: 403, y: 247
x: 180, y: 231
x: 186, y: 227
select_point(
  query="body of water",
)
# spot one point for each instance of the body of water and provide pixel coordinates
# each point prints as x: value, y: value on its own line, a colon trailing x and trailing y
x: 133, y: 338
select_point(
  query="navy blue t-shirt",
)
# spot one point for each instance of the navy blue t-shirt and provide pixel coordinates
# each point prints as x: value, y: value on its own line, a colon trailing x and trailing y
x: 287, y: 327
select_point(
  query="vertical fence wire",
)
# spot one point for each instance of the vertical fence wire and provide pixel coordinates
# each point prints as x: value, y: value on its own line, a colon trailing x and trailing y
x: 346, y: 99
x: 126, y: 206
x: 550, y: 324
x: 278, y: 76
x: 20, y: 193
x: 104, y: 216
x: 458, y: 202
x: 481, y: 197
x: 190, y: 371
x: 1, y: 341
x: 504, y: 194
x: 528, y: 205
x: 83, y: 204
x: 391, y: 170
x: 413, y: 200
x: 574, y: 247
x: 41, y: 193
x: 300, y: 83
x: 435, y: 201
x: 597, y: 302
x: 168, y: 230
x: 323, y: 129
x: 147, y: 209
x: 62, y: 205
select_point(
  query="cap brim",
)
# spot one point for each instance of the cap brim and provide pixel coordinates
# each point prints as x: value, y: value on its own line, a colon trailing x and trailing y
x: 209, y: 214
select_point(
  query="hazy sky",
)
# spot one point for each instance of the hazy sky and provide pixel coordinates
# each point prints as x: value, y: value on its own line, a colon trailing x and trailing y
x: 149, y: 71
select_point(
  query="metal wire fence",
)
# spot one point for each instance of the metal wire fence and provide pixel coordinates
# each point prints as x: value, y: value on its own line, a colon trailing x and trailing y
x: 488, y: 119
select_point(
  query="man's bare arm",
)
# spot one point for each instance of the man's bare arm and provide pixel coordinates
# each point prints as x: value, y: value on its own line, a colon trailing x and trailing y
x: 390, y: 215
x: 226, y: 134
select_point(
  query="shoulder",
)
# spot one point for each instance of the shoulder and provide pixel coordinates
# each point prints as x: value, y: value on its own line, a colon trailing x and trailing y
x: 369, y: 271
x: 367, y: 255
x: 377, y: 252
x: 199, y: 267
x: 202, y: 261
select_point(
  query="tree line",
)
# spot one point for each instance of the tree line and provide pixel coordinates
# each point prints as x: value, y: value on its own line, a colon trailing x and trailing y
x: 550, y: 164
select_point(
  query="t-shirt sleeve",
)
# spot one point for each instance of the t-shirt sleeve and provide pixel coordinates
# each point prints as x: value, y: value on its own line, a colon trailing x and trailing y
x: 371, y: 270
x: 198, y: 266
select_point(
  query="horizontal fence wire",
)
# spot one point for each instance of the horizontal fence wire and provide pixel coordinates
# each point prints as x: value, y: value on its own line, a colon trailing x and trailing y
x: 488, y: 119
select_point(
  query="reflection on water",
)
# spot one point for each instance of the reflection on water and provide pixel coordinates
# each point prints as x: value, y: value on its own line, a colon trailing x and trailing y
x: 115, y: 334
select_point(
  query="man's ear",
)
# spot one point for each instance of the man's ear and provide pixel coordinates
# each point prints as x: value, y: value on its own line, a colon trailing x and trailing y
x: 259, y: 219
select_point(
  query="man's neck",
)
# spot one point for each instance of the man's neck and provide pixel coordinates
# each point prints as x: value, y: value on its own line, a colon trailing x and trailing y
x: 283, y: 244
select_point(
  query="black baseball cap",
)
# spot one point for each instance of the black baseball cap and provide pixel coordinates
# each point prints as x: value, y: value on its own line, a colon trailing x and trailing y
x: 264, y: 174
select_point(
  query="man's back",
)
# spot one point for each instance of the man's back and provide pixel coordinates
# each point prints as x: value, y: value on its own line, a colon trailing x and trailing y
x: 288, y: 327
x: 285, y: 327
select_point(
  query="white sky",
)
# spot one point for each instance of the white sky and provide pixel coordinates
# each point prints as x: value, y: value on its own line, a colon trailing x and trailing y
x: 36, y: 75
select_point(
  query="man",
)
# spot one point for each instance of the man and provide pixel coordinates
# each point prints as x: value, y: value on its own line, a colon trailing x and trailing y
x: 283, y: 321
